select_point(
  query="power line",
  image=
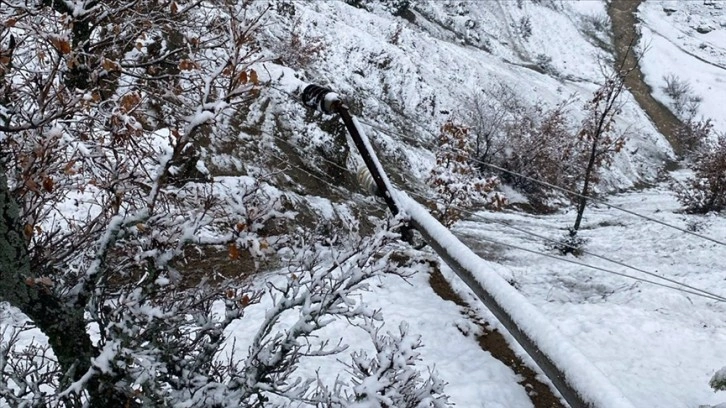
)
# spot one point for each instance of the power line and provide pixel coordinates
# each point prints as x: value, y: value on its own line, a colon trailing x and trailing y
x: 623, y: 264
x: 700, y: 292
x: 689, y: 289
x: 563, y: 189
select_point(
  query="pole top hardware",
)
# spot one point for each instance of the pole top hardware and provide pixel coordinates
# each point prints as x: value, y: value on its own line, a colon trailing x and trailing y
x: 320, y: 98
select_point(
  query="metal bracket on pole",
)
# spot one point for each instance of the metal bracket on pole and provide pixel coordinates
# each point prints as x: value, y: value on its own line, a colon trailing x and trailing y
x: 329, y: 102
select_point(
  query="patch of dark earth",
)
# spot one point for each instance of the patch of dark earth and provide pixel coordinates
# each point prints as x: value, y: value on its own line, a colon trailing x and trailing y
x: 493, y: 341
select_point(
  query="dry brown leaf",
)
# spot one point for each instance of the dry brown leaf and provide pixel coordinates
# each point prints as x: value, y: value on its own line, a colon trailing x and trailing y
x: 233, y: 251
x: 28, y: 231
x: 130, y: 101
x: 242, y: 77
x: 48, y: 184
x: 109, y: 65
x: 61, y: 45
x: 244, y: 301
x: 187, y: 65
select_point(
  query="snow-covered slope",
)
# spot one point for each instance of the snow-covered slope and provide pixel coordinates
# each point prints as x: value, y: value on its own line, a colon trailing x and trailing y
x: 687, y: 39
x: 409, y: 75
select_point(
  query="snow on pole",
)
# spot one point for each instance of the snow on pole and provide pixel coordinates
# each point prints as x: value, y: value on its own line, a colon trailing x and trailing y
x: 581, y: 383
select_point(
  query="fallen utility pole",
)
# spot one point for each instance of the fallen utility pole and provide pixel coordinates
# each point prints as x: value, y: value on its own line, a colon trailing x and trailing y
x: 571, y: 381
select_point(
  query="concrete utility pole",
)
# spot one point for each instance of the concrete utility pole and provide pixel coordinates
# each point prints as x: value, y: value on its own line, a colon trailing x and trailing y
x: 327, y: 101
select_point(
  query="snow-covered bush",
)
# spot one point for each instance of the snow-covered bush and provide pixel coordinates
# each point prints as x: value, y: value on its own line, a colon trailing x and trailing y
x: 706, y: 191
x: 683, y: 101
x: 455, y: 179
x: 388, y: 378
x: 718, y: 381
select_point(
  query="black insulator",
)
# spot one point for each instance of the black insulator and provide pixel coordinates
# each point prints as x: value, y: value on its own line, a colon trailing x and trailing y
x: 314, y: 97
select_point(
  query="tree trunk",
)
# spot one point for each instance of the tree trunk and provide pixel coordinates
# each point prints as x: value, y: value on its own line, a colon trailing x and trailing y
x: 585, y: 188
x: 62, y: 323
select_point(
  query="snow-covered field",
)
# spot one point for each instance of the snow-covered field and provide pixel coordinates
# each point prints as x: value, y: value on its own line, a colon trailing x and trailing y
x: 659, y: 346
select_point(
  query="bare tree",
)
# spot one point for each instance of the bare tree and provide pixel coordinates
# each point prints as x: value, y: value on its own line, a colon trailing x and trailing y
x: 597, y: 133
x: 104, y: 192
x: 486, y: 113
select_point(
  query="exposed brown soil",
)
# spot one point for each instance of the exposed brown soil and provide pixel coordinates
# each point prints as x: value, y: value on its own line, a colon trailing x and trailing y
x: 494, y: 342
x: 624, y: 24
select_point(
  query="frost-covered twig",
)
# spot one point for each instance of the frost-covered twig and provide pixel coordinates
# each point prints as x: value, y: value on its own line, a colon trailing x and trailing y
x: 389, y: 378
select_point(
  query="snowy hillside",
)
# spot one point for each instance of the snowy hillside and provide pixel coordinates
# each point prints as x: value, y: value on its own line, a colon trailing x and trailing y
x: 686, y: 40
x: 410, y: 75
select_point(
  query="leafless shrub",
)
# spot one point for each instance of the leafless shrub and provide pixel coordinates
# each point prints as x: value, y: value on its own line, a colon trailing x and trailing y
x: 683, y: 100
x: 542, y: 146
x: 694, y: 135
x: 457, y: 184
x: 706, y: 191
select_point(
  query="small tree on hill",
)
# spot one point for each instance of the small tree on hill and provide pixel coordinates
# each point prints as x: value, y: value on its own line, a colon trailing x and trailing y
x: 597, y: 134
x: 693, y: 136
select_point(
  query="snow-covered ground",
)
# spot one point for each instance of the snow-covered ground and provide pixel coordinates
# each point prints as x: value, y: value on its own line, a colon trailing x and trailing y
x: 687, y: 39
x: 659, y: 346
x: 474, y: 377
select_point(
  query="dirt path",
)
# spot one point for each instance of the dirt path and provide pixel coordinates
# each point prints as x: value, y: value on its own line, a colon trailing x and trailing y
x: 494, y: 342
x: 624, y: 24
